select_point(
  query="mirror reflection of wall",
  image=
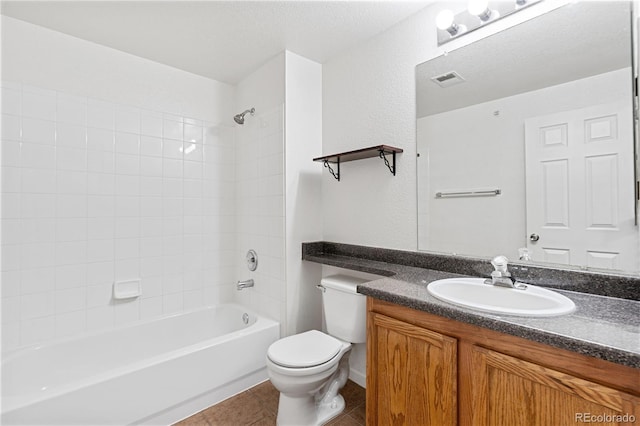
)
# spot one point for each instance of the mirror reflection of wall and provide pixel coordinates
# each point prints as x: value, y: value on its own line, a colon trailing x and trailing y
x: 568, y: 72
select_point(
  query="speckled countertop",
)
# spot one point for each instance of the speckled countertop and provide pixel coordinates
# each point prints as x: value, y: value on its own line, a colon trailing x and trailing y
x: 602, y: 327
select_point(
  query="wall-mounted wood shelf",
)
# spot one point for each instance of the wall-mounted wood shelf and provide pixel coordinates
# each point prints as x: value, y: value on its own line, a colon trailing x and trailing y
x: 374, y: 151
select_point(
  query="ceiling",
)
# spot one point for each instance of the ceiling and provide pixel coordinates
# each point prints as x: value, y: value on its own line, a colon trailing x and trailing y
x: 222, y: 40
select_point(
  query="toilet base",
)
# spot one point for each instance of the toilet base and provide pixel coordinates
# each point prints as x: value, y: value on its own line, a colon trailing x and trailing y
x: 328, y: 411
x: 306, y: 411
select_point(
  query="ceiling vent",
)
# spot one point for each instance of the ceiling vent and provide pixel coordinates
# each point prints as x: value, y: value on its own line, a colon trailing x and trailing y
x: 448, y: 79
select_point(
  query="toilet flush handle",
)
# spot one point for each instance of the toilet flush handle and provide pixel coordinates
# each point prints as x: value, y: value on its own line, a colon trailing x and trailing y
x: 321, y: 287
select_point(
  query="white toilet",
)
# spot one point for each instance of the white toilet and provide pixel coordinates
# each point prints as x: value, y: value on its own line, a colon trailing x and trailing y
x: 310, y: 368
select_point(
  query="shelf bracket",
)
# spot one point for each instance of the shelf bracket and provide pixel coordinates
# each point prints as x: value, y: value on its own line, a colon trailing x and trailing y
x: 392, y: 168
x: 333, y: 173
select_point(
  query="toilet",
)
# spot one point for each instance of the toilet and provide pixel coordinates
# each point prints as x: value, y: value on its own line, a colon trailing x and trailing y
x: 310, y: 368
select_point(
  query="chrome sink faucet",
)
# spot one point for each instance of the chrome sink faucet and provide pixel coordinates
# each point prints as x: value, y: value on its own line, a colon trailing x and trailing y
x: 501, y: 276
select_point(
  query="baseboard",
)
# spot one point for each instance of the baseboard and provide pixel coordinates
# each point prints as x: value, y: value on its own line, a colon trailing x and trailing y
x: 358, y: 377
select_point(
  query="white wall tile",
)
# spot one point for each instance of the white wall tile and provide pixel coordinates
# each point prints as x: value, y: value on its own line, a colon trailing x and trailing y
x: 151, y: 146
x: 127, y: 143
x: 37, y: 280
x: 10, y: 310
x: 150, y: 166
x: 37, y: 255
x: 11, y: 101
x: 39, y: 230
x: 127, y: 119
x: 71, y: 299
x: 11, y: 231
x: 38, y: 205
x: 11, y: 179
x: 71, y: 205
x: 101, y: 184
x: 38, y: 156
x: 71, y: 109
x: 127, y: 269
x: 127, y: 164
x: 71, y: 182
x: 100, y: 161
x: 100, y: 205
x: 39, y: 104
x: 99, y: 273
x: 193, y: 133
x: 101, y: 139
x: 71, y: 252
x: 70, y: 323
x: 172, y: 129
x: 99, y: 295
x: 71, y: 229
x: 127, y: 311
x: 99, y: 318
x: 150, y: 308
x: 72, y: 136
x: 10, y: 205
x: 11, y: 127
x: 100, y: 251
x: 100, y: 114
x: 37, y: 330
x: 38, y: 131
x: 127, y: 185
x: 11, y: 257
x: 71, y: 276
x: 151, y: 123
x: 36, y: 305
x: 95, y: 192
x: 71, y: 159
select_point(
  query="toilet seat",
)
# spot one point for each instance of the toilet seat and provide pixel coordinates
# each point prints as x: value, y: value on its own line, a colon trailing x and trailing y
x: 304, y: 350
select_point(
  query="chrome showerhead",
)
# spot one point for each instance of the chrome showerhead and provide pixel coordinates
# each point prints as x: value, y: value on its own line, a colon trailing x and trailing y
x: 239, y: 118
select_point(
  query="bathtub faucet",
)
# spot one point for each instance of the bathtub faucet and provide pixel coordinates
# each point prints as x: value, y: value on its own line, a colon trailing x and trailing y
x: 245, y: 284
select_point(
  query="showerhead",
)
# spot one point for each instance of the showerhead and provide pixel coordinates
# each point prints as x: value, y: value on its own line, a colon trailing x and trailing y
x: 239, y: 118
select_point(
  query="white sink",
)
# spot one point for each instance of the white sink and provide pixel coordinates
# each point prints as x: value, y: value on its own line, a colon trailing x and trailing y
x: 475, y: 294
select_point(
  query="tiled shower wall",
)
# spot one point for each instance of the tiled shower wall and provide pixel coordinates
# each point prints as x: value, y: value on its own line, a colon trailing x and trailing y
x: 95, y: 192
x: 260, y: 211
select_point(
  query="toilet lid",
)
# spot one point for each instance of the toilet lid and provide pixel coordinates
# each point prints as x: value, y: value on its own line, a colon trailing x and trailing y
x: 304, y: 350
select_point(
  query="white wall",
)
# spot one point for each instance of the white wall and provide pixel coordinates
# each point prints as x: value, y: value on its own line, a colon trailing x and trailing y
x: 303, y: 188
x: 369, y: 99
x: 114, y: 168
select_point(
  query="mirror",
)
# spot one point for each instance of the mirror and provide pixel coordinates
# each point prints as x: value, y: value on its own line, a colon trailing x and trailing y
x: 526, y: 146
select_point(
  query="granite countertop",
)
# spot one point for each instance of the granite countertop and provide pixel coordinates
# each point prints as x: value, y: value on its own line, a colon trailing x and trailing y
x: 602, y: 327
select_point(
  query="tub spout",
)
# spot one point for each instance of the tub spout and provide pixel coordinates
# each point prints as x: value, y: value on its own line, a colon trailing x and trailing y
x: 245, y: 284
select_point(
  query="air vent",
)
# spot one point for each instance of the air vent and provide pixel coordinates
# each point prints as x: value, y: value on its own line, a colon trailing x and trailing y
x: 448, y: 79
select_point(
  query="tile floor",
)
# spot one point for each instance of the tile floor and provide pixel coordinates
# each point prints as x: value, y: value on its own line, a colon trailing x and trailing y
x: 258, y: 407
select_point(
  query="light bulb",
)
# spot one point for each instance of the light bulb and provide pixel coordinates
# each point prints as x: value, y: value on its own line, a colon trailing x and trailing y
x: 444, y: 20
x: 480, y: 8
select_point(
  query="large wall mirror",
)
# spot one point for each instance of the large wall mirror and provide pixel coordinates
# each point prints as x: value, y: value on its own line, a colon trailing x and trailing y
x: 526, y: 142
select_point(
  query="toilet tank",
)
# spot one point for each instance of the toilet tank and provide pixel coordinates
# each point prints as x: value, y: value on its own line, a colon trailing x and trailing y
x: 345, y: 310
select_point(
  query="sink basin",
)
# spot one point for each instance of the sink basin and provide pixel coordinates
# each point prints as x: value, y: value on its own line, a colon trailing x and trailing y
x: 475, y: 294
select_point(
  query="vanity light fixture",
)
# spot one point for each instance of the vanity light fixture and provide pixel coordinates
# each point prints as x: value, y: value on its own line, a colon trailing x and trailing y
x: 479, y: 13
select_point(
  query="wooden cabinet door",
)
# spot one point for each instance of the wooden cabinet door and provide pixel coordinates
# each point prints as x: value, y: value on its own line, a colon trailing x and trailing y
x: 411, y: 374
x: 509, y: 391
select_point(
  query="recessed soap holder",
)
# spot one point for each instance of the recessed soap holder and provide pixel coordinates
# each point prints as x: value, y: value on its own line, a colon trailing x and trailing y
x: 129, y: 289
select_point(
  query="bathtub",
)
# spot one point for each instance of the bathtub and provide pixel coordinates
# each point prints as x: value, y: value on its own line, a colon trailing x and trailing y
x: 152, y: 372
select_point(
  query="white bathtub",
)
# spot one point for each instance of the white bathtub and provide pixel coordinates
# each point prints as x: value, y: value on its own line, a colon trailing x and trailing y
x: 153, y: 372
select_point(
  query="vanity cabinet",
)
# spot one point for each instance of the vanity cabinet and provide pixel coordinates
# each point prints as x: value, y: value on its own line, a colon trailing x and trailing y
x: 414, y: 379
x: 423, y: 369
